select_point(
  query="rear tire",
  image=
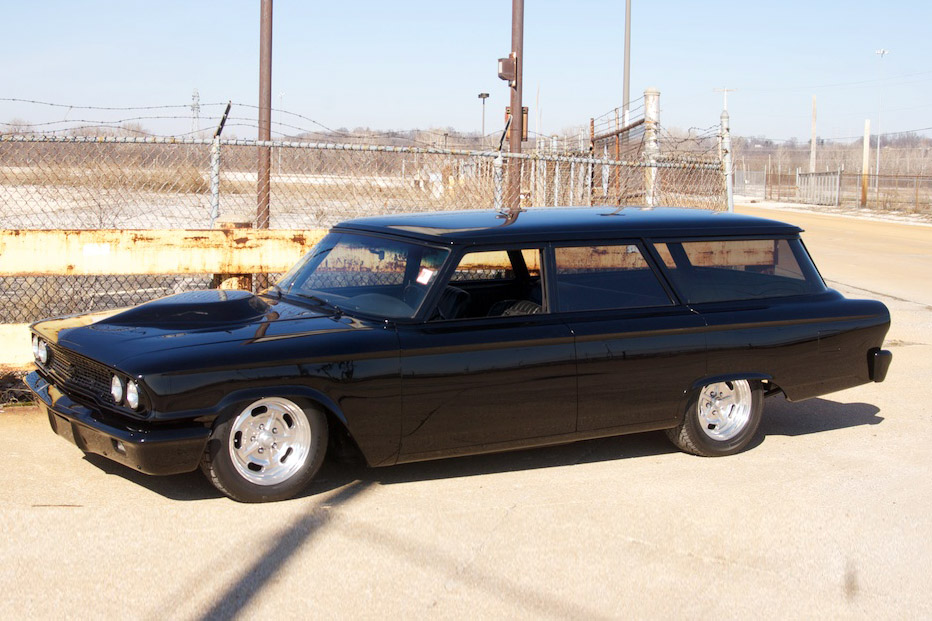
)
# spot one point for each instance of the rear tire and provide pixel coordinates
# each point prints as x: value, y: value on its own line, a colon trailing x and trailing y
x: 721, y: 418
x: 269, y: 450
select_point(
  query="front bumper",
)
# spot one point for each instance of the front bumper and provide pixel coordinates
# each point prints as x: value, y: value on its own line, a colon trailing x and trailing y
x: 144, y: 448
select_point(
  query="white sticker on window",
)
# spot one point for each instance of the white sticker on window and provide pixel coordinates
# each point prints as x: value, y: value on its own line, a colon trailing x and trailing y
x: 425, y: 275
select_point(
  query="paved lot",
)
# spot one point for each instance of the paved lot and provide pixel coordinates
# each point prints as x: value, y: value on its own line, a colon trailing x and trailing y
x: 829, y: 514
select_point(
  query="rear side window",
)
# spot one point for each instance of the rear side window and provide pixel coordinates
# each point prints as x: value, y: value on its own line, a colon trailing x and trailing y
x: 603, y: 277
x: 739, y: 269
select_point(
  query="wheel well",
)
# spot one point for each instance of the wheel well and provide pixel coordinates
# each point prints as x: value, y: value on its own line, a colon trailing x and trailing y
x: 770, y: 388
x: 341, y: 445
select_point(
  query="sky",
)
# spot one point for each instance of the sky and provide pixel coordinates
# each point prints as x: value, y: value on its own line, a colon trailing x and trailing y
x: 418, y: 64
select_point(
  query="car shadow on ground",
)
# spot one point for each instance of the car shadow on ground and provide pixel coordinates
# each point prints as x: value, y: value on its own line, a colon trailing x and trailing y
x: 781, y: 418
x: 187, y: 486
x: 785, y: 418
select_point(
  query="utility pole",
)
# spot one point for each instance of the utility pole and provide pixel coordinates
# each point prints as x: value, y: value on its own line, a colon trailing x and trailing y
x: 513, y: 199
x: 812, y: 139
x: 195, y: 111
x: 281, y: 109
x: 265, y: 113
x: 626, y: 88
x: 865, y: 161
x: 881, y: 52
x: 724, y: 91
x: 263, y: 186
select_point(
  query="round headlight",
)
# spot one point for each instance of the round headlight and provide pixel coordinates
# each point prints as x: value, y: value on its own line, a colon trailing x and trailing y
x: 35, y: 346
x: 42, y: 352
x: 132, y: 394
x: 116, y: 389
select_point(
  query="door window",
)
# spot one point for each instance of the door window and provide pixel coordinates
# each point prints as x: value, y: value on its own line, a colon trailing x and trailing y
x: 494, y: 283
x: 603, y: 277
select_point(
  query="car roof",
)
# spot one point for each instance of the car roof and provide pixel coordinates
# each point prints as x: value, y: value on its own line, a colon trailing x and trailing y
x: 565, y: 223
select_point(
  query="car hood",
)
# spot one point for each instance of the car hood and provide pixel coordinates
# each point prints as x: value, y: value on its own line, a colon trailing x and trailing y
x: 187, y: 320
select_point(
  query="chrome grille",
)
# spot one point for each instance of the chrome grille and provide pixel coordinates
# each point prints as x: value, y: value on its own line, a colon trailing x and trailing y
x: 79, y: 374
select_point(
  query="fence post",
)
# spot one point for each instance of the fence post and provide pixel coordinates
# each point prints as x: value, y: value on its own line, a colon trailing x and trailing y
x: 726, y: 163
x: 497, y: 180
x: 214, y: 181
x: 838, y: 188
x: 606, y: 172
x: 572, y: 183
x: 651, y: 146
x: 556, y: 183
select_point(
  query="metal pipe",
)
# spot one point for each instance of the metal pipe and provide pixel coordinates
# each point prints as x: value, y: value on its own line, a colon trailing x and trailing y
x: 726, y: 162
x: 651, y: 146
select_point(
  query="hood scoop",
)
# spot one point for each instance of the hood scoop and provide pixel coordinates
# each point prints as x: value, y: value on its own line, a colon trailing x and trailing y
x: 194, y: 309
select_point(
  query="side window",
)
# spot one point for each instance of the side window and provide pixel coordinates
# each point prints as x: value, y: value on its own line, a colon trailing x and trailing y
x: 740, y: 269
x: 494, y: 265
x: 603, y: 277
x: 493, y: 283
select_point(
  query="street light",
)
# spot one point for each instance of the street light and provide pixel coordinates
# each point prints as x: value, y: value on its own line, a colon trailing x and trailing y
x: 483, y: 97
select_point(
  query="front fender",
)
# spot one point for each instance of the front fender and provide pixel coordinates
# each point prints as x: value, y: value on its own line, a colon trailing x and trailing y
x: 239, y: 398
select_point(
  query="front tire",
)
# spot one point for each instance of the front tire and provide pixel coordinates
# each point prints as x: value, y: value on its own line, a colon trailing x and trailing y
x: 721, y: 418
x: 269, y: 450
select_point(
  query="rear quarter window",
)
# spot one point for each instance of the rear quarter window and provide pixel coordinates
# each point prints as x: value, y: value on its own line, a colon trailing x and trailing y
x: 606, y: 277
x: 739, y: 269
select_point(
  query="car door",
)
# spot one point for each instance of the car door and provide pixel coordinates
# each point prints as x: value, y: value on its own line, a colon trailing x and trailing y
x: 637, y: 349
x: 492, y: 367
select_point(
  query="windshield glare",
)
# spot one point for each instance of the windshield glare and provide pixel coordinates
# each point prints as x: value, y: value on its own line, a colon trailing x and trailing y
x: 382, y: 277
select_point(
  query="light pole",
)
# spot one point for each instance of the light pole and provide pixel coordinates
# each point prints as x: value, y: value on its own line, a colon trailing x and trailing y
x: 881, y: 52
x: 483, y: 97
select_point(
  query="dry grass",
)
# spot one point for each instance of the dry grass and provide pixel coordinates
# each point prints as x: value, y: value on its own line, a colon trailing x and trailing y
x: 181, y: 179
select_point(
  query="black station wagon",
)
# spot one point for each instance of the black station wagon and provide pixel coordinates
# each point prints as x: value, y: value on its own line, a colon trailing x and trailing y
x: 412, y: 337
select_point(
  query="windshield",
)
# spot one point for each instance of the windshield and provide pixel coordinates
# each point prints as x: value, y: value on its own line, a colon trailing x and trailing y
x: 352, y: 272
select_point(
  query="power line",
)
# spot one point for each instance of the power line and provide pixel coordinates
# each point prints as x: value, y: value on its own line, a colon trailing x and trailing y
x: 839, y: 84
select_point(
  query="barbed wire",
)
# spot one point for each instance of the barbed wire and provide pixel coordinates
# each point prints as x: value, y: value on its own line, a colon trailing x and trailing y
x: 306, y: 127
x: 112, y: 108
x: 279, y: 128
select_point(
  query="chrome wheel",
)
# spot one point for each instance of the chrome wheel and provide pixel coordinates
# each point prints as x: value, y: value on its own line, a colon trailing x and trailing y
x: 724, y: 409
x: 270, y: 441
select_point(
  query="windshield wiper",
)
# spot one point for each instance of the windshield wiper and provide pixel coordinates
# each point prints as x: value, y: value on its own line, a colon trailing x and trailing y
x: 319, y: 301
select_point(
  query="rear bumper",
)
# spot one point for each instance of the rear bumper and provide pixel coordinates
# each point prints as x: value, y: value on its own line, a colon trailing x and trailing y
x: 878, y: 361
x: 146, y: 449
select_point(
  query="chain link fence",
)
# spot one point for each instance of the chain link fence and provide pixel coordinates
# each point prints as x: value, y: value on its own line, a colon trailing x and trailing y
x: 897, y: 194
x: 80, y: 182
